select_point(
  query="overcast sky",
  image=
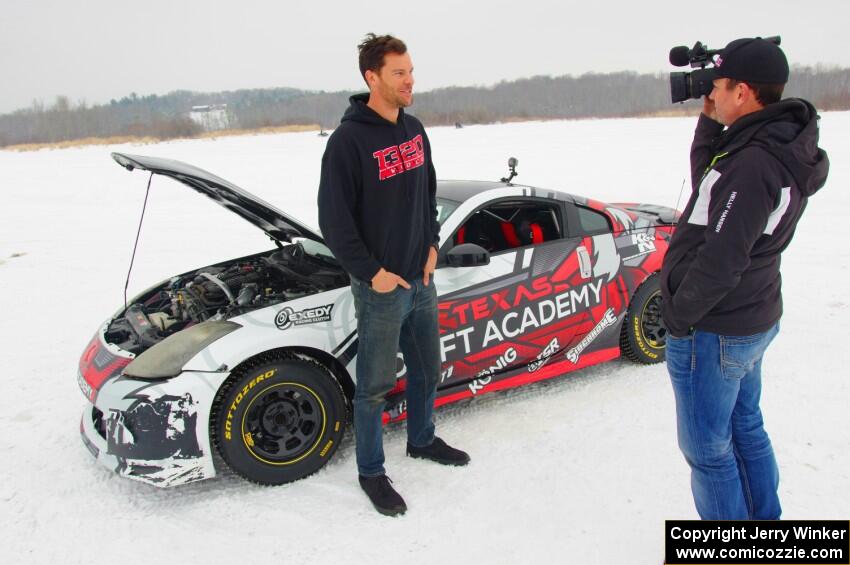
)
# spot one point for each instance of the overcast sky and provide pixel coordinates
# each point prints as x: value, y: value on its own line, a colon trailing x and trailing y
x: 101, y: 49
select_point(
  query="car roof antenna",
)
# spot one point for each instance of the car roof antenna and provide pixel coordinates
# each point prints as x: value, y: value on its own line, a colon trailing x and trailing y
x: 512, y: 163
x: 135, y: 245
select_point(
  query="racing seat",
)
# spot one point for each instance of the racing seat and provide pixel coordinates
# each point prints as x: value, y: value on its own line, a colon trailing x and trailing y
x: 530, y: 233
x: 479, y: 230
x: 510, y: 234
x: 531, y: 226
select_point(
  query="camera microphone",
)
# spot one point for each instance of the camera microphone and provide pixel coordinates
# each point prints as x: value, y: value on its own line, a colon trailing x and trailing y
x: 697, y: 83
x: 680, y: 56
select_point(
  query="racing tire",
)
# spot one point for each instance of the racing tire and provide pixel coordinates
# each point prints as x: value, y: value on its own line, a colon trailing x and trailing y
x: 279, y: 419
x: 643, y: 337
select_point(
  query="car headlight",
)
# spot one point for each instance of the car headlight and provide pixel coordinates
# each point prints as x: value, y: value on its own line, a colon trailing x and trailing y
x: 168, y: 357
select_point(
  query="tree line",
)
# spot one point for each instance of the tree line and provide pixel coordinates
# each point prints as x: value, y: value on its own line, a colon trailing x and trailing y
x: 592, y: 95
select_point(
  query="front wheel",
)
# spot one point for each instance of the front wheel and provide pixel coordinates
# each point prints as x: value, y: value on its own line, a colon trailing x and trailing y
x: 643, y: 337
x: 279, y: 420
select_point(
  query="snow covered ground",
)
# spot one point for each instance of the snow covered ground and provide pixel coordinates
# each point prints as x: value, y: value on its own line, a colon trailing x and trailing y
x: 583, y: 469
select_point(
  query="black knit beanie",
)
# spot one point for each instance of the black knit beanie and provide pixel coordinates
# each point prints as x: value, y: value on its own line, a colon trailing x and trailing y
x: 752, y: 60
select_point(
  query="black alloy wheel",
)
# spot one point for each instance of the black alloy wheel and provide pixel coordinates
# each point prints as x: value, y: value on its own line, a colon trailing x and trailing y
x: 283, y: 422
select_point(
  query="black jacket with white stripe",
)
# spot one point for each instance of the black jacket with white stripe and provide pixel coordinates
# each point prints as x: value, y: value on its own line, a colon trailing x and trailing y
x: 750, y: 184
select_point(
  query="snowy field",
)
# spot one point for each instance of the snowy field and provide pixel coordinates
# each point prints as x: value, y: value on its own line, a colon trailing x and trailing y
x: 582, y: 469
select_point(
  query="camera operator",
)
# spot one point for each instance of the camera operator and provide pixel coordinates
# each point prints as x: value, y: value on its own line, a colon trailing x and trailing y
x: 720, y: 278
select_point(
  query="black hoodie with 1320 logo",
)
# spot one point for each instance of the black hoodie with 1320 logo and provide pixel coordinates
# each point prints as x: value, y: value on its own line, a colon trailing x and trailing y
x: 377, y: 193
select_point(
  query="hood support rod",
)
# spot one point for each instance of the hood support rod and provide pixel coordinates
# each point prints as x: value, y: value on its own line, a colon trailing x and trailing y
x: 135, y: 245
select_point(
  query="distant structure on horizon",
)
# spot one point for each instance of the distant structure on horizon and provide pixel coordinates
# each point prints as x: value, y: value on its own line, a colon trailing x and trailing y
x: 211, y: 117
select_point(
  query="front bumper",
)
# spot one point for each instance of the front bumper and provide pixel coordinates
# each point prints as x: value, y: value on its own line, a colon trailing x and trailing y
x: 154, y: 432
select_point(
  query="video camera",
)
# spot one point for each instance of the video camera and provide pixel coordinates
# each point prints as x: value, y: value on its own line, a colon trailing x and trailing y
x: 698, y: 83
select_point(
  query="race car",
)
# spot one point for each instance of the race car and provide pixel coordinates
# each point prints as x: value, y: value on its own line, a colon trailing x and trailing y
x: 255, y: 357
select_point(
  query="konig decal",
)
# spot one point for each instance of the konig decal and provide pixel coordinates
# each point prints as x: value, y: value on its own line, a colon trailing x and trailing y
x: 289, y: 317
x: 608, y: 319
x: 485, y: 376
x: 491, y: 319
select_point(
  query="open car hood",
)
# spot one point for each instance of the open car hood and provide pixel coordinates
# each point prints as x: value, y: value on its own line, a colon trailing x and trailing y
x: 272, y: 221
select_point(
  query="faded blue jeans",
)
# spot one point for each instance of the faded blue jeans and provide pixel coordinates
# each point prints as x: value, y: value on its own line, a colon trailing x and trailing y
x: 717, y: 384
x: 386, y: 321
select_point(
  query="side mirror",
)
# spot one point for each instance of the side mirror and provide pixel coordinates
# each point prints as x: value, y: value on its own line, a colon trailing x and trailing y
x: 467, y: 255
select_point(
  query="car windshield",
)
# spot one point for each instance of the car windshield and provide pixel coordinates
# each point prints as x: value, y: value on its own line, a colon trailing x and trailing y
x: 445, y: 207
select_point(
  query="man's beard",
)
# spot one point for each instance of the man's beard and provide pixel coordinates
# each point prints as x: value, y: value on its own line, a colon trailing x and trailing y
x: 392, y: 97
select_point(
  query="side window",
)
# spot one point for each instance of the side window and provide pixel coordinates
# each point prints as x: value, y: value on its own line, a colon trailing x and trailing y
x: 592, y: 222
x: 510, y: 224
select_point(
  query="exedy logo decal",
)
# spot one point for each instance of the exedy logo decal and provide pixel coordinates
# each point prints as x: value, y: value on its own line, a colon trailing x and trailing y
x: 607, y: 320
x: 289, y: 317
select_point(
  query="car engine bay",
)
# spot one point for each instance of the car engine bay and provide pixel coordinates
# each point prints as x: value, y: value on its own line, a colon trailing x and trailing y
x: 225, y: 290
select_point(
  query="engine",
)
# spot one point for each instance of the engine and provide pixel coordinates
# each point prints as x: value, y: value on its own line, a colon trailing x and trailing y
x: 222, y: 291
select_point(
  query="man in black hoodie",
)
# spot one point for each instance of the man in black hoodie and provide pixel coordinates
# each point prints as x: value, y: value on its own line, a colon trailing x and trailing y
x: 378, y: 214
x: 720, y: 279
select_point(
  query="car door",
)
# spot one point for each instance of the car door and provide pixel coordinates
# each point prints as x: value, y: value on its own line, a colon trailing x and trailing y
x: 529, y: 304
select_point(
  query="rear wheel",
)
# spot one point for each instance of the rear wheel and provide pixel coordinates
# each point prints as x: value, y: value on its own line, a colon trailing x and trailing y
x: 643, y: 337
x: 278, y: 420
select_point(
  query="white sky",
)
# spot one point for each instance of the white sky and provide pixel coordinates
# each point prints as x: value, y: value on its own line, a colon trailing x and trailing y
x: 101, y: 49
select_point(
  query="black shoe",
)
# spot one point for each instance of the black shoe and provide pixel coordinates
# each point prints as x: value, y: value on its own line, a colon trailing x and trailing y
x: 383, y: 496
x: 440, y: 452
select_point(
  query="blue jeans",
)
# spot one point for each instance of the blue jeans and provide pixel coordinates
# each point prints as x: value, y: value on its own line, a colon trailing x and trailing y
x: 717, y: 384
x: 386, y: 321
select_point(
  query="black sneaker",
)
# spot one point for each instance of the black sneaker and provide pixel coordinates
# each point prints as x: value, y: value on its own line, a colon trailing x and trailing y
x: 383, y: 496
x: 440, y: 452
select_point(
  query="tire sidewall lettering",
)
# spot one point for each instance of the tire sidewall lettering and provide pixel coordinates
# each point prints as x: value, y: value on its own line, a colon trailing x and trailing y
x: 228, y: 424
